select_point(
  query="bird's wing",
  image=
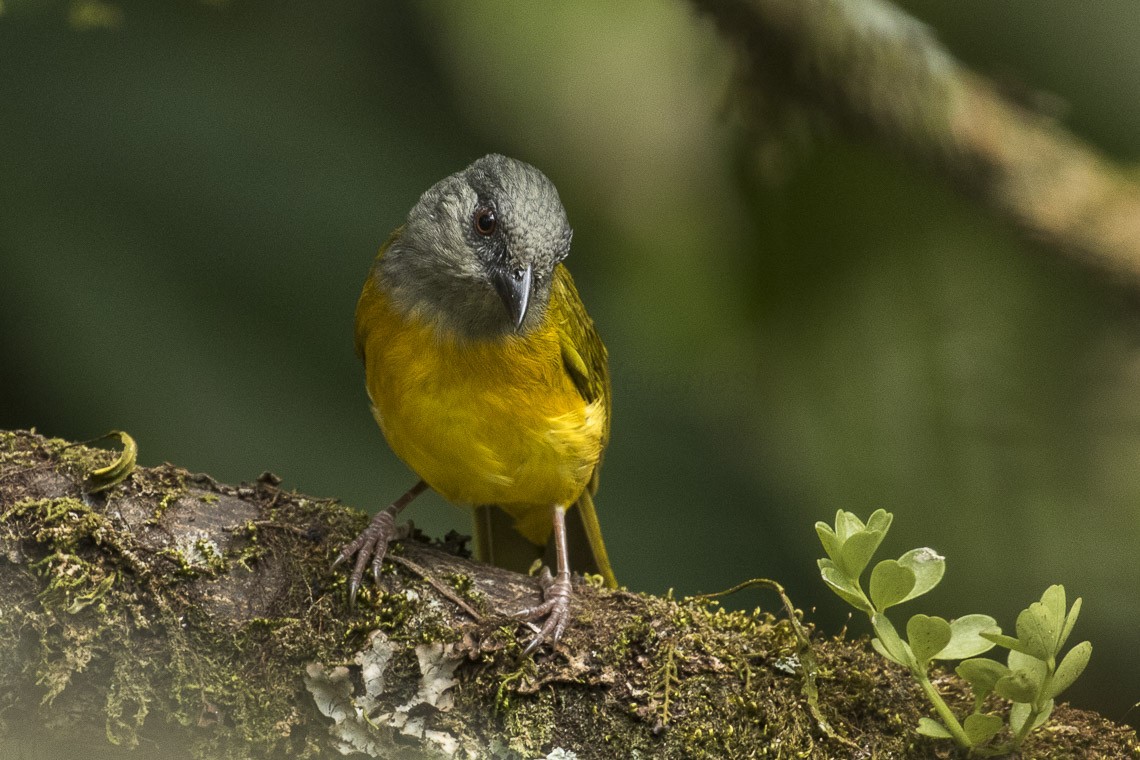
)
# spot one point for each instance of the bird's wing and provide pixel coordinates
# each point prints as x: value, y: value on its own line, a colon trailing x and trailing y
x: 583, y: 353
x: 584, y: 358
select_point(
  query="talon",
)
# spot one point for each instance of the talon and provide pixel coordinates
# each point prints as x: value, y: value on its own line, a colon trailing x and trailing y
x: 554, y: 612
x: 372, y: 543
x: 369, y: 547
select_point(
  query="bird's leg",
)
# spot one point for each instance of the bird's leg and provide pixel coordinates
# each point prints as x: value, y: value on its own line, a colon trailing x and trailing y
x: 372, y: 543
x: 555, y: 607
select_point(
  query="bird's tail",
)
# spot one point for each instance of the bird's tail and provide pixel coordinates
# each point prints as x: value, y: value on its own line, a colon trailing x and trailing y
x: 498, y: 543
x: 591, y: 532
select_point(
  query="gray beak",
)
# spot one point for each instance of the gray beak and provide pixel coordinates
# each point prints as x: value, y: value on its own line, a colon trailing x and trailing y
x: 513, y: 286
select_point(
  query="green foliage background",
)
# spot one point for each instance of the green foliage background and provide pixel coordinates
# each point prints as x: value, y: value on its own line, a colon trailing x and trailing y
x: 191, y: 193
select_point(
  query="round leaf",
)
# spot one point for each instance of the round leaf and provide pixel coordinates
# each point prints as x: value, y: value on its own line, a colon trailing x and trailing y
x: 981, y: 673
x: 966, y: 639
x: 857, y: 550
x: 890, y: 584
x: 927, y: 636
x: 980, y: 727
x: 927, y: 566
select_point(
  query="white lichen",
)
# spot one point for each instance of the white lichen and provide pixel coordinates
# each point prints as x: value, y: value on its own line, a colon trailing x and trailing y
x: 366, y: 723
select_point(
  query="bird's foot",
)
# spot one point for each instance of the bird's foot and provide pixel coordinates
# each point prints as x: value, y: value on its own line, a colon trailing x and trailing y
x: 554, y: 610
x: 371, y: 546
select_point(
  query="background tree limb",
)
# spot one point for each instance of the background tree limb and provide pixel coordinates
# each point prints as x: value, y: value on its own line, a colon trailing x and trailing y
x: 880, y: 74
x: 188, y: 618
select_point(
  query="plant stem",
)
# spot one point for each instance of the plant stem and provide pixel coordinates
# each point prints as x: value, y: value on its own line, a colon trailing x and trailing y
x: 948, y: 719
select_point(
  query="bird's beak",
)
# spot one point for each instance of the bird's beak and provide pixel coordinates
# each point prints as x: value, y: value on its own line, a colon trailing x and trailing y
x: 513, y: 286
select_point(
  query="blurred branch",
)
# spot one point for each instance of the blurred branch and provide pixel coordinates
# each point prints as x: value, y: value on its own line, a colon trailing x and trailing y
x: 186, y: 618
x: 881, y: 74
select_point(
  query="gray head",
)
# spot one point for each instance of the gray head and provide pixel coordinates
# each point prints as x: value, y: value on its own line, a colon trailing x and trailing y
x: 477, y: 255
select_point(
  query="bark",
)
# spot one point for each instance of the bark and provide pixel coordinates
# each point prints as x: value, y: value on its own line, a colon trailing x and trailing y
x: 182, y: 617
x: 867, y: 67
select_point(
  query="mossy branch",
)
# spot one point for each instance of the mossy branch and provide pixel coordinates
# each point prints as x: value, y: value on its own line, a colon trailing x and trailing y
x: 185, y: 618
x: 874, y: 71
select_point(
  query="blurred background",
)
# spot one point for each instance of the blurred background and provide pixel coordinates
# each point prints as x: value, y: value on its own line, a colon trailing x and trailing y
x: 192, y: 192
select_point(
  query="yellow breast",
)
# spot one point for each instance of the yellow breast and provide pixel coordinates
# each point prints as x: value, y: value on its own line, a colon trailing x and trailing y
x: 494, y: 421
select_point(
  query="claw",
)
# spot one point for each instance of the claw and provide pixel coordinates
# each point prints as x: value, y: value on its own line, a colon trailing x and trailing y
x: 554, y: 611
x: 372, y: 543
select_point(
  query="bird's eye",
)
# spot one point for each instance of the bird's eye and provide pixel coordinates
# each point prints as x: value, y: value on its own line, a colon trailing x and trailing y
x: 485, y: 221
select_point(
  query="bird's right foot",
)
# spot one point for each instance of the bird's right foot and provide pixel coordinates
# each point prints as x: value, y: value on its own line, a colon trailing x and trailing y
x: 372, y: 544
x: 370, y: 547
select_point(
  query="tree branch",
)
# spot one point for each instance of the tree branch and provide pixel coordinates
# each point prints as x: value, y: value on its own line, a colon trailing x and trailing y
x: 882, y: 75
x: 189, y: 618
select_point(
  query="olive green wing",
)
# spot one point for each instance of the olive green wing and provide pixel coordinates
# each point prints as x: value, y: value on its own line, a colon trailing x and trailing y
x: 585, y: 361
x: 583, y: 353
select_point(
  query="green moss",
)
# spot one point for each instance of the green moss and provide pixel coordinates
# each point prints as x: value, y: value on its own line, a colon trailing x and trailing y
x: 637, y: 676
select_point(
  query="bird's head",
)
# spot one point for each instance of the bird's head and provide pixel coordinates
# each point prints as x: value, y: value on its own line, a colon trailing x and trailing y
x: 478, y: 252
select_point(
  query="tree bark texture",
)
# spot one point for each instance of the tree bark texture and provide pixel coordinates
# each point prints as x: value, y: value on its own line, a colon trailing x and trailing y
x: 182, y: 617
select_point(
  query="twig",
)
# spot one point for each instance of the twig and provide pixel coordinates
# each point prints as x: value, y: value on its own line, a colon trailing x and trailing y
x: 442, y: 589
x: 880, y: 74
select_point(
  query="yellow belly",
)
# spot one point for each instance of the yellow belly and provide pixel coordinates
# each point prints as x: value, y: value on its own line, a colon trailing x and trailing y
x: 482, y: 422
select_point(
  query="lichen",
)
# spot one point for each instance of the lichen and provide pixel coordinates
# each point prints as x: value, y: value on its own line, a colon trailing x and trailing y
x: 376, y: 721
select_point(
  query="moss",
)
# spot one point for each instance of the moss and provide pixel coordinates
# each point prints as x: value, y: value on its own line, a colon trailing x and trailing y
x: 198, y: 615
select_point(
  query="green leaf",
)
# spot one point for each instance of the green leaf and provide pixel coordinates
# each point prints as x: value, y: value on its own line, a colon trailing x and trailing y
x: 842, y: 586
x: 981, y: 673
x: 828, y: 538
x: 999, y: 638
x: 965, y: 638
x: 857, y: 551
x: 1019, y: 713
x: 932, y: 728
x: 980, y: 727
x: 1053, y: 600
x: 891, y: 644
x: 1036, y: 632
x: 890, y: 584
x: 1037, y: 669
x: 882, y: 650
x: 927, y: 566
x: 1070, y: 668
x: 846, y: 523
x: 1070, y: 621
x: 880, y: 520
x: 927, y: 636
x: 1018, y: 686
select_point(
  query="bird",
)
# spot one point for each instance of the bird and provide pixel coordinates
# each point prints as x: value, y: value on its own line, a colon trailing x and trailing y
x: 487, y: 377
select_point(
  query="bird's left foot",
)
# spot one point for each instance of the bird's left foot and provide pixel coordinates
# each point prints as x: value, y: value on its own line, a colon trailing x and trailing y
x: 554, y: 610
x: 371, y: 546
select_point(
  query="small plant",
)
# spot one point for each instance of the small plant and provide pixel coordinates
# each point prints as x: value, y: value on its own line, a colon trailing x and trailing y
x: 1034, y: 673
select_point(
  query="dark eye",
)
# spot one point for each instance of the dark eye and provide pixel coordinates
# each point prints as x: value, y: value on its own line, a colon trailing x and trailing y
x: 485, y: 221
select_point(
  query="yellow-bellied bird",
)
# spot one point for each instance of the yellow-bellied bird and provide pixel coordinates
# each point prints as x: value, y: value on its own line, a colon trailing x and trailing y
x: 486, y: 374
